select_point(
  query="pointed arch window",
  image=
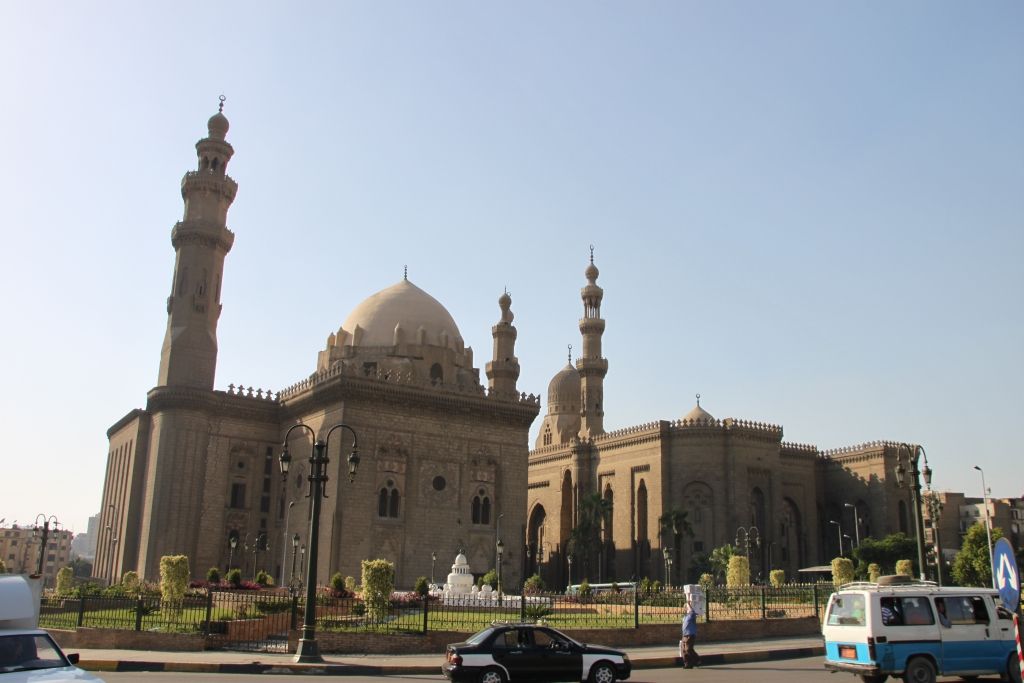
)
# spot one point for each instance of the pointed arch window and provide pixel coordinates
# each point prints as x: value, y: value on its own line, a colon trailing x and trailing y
x: 481, y: 508
x: 547, y: 436
x: 389, y: 501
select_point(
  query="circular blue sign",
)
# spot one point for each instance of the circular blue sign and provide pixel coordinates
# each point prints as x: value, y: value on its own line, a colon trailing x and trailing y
x: 1007, y: 578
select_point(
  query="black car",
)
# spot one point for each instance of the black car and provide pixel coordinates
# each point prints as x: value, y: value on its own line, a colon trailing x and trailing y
x: 526, y: 652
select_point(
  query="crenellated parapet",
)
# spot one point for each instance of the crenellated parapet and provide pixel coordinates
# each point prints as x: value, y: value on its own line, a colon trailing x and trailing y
x: 248, y: 392
x: 629, y: 431
x: 860, y: 449
x: 798, y: 450
x: 208, y: 181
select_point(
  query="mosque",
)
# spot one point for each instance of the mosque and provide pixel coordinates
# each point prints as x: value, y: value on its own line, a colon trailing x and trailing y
x: 445, y: 462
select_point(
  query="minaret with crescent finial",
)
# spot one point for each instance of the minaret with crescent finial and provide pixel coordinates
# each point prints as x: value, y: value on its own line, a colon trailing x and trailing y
x: 503, y: 369
x: 591, y: 365
x: 201, y: 240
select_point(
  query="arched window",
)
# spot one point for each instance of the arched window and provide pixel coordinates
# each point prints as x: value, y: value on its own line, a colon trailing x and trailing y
x: 481, y: 507
x: 436, y: 374
x: 389, y: 501
x: 641, y: 511
x: 547, y: 436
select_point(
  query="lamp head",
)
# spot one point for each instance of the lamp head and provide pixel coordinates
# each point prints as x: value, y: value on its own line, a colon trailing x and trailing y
x: 353, y: 464
x: 295, y: 541
x: 233, y: 541
x: 285, y: 460
x: 927, y: 472
x: 901, y: 472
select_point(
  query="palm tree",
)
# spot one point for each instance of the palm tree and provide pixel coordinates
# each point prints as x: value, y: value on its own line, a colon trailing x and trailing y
x: 675, y: 523
x: 585, y: 538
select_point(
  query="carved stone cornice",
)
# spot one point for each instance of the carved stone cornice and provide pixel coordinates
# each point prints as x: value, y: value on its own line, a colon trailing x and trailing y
x: 120, y: 424
x: 202, y: 233
x: 197, y: 181
x: 212, y: 403
x: 350, y: 387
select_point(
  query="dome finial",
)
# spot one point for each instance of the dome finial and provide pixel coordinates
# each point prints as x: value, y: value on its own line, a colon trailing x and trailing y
x: 591, y: 253
x: 405, y: 273
x: 698, y: 400
x: 570, y: 354
x: 220, y: 109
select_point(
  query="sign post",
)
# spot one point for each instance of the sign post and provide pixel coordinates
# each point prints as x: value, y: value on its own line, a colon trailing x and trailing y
x: 1007, y: 580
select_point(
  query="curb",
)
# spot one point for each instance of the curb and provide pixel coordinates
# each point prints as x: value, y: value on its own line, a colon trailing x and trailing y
x: 385, y: 670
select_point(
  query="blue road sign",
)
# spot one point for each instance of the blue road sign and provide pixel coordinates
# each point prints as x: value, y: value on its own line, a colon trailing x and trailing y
x: 1004, y: 569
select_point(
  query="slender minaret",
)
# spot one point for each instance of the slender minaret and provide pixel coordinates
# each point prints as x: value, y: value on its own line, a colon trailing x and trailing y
x: 503, y: 370
x: 201, y: 241
x: 591, y: 366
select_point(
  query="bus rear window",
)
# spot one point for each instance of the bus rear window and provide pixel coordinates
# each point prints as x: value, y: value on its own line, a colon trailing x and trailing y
x: 847, y: 609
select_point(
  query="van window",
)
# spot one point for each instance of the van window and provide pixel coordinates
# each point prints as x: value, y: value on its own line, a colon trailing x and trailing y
x: 847, y: 610
x: 966, y: 610
x: 906, y: 611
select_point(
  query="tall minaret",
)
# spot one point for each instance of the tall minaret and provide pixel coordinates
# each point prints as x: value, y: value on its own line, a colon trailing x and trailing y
x: 201, y: 241
x: 591, y: 366
x: 503, y: 371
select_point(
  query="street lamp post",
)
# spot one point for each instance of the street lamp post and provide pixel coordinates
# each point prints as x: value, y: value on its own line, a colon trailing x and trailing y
x: 284, y: 538
x: 832, y: 521
x: 569, y: 559
x: 232, y: 544
x: 260, y: 538
x: 667, y: 553
x: 308, y: 649
x: 934, y: 513
x: 856, y: 522
x: 295, y: 553
x: 433, y: 559
x: 44, y: 532
x: 988, y: 526
x: 500, y: 548
x: 914, y: 484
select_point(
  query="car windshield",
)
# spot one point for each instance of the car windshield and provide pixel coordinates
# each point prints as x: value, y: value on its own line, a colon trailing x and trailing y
x: 25, y: 652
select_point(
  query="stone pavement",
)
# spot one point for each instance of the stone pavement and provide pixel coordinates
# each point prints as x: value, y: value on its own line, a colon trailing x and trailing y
x: 224, y: 661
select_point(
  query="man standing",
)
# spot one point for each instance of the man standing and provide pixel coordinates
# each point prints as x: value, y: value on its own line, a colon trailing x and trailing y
x: 690, y: 656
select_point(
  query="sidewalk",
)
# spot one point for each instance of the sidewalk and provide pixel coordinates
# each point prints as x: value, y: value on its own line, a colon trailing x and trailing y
x: 223, y: 661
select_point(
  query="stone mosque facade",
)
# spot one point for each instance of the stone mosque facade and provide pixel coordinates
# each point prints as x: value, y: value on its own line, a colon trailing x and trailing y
x: 446, y: 466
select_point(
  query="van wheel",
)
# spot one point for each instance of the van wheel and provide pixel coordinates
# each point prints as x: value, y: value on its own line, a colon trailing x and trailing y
x: 920, y: 670
x: 874, y: 678
x: 1013, y: 668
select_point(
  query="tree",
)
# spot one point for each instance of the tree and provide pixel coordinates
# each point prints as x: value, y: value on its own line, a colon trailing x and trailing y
x: 585, y: 538
x: 674, y: 522
x: 719, y: 560
x: 885, y: 552
x: 972, y: 566
x: 65, y: 580
x: 81, y: 567
x: 378, y: 584
x: 739, y: 571
x: 174, y: 574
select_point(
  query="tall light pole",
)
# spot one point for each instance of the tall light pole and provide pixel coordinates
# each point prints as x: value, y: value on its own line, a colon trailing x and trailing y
x: 284, y: 539
x: 44, y: 531
x: 497, y: 540
x: 500, y: 548
x: 261, y: 538
x: 232, y: 544
x: 914, y: 484
x: 295, y: 552
x: 934, y: 513
x: 308, y: 649
x: 667, y: 553
x: 856, y: 522
x: 832, y: 521
x: 433, y: 559
x: 988, y: 526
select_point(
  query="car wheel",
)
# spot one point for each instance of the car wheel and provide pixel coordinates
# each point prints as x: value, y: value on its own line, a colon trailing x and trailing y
x: 920, y: 670
x: 602, y: 672
x: 1013, y: 668
x: 492, y: 675
x: 874, y: 678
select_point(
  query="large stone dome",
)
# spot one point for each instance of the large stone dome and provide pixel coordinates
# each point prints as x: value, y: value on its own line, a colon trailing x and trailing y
x: 564, y: 390
x: 404, y: 311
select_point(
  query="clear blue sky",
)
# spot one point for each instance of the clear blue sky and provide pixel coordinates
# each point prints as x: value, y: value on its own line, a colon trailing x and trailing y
x: 812, y: 213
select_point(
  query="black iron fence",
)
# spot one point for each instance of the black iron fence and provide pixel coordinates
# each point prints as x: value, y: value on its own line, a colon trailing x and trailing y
x: 252, y: 616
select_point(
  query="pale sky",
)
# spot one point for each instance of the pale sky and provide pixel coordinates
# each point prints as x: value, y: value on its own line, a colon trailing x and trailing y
x: 811, y: 213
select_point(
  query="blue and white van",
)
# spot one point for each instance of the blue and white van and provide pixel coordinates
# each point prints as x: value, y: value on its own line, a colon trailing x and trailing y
x: 917, y: 631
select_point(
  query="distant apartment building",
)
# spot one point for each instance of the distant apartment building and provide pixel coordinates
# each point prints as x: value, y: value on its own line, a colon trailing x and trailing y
x: 20, y: 548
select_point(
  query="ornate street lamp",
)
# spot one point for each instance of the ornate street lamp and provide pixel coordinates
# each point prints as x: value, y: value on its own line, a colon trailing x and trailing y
x: 569, y: 558
x: 914, y: 484
x: 232, y: 544
x: 295, y: 552
x: 261, y: 539
x: 308, y: 649
x: 433, y: 559
x: 43, y: 530
x: 667, y: 553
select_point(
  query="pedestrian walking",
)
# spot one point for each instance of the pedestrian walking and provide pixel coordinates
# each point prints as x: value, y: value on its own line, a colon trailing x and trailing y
x: 690, y: 656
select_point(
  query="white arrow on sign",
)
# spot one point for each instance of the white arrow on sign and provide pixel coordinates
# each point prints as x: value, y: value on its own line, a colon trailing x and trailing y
x: 1007, y: 572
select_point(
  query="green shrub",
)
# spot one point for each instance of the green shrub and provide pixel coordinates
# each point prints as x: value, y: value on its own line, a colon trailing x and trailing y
x: 264, y: 579
x: 174, y: 575
x: 842, y: 571
x: 378, y: 584
x: 338, y: 582
x: 738, y: 573
x: 533, y: 585
x: 488, y: 579
x: 65, y: 580
x: 234, y: 577
x: 645, y: 586
x: 706, y: 581
x: 130, y: 583
x: 777, y: 577
x: 421, y: 586
x: 350, y: 584
x: 905, y: 568
x: 585, y: 590
x: 535, y: 612
x: 873, y: 572
x: 655, y: 587
x: 213, y: 575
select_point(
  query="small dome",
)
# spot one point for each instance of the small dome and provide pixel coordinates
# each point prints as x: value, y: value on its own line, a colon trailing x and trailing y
x: 592, y: 272
x: 402, y: 304
x: 461, y: 561
x: 564, y: 389
x: 698, y: 414
x: 218, y: 126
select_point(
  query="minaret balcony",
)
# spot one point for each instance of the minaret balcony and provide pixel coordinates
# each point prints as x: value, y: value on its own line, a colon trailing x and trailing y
x: 209, y: 181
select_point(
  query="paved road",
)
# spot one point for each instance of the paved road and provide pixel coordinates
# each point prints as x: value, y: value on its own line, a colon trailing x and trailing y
x: 807, y: 670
